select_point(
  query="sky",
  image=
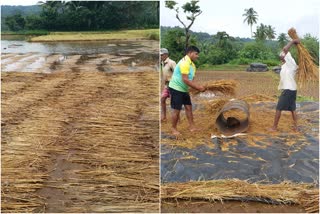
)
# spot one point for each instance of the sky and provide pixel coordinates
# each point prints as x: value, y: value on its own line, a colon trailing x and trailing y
x: 226, y: 15
x: 19, y: 2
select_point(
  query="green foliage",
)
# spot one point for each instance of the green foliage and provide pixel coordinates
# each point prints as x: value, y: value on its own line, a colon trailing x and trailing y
x: 15, y: 22
x: 191, y: 10
x: 221, y: 51
x: 271, y: 62
x: 256, y: 50
x: 241, y: 61
x: 282, y: 40
x: 251, y: 17
x: 153, y: 36
x: 312, y: 45
x: 173, y: 40
x: 89, y: 16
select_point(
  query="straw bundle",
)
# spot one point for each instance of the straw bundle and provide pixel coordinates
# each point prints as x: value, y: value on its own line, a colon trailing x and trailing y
x: 226, y: 87
x: 310, y: 201
x: 234, y: 189
x: 307, y: 70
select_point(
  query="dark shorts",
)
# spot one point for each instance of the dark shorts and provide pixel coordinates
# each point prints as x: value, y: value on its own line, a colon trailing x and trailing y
x: 179, y: 98
x: 287, y: 100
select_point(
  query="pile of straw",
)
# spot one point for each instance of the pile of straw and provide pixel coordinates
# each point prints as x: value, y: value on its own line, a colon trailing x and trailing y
x: 226, y: 87
x: 307, y: 70
x: 234, y: 189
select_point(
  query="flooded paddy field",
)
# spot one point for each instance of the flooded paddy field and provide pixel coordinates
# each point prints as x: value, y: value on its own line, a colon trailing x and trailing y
x: 258, y: 157
x: 121, y: 56
x: 78, y: 136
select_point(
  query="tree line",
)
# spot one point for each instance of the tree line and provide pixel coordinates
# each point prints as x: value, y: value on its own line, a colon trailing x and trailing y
x: 222, y: 48
x: 88, y: 16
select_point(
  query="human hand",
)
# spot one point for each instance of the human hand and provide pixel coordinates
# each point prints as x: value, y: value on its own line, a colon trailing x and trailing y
x: 202, y: 88
x: 296, y: 41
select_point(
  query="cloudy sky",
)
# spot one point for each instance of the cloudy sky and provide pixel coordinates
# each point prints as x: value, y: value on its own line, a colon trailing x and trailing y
x: 19, y: 2
x: 226, y: 15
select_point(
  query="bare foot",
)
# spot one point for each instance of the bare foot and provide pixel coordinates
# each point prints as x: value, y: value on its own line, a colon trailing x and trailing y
x: 175, y: 132
x: 194, y: 129
x: 163, y: 119
x: 273, y: 129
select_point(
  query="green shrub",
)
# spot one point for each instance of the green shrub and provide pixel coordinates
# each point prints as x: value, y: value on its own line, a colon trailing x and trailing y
x: 153, y: 36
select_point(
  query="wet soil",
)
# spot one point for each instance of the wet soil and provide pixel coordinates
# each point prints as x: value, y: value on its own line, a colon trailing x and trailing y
x: 202, y: 206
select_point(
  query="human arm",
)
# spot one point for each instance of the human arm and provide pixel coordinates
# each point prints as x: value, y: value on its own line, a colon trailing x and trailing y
x: 192, y: 84
x: 288, y: 46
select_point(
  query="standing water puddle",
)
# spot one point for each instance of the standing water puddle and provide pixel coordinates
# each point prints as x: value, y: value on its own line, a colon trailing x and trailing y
x: 115, y: 56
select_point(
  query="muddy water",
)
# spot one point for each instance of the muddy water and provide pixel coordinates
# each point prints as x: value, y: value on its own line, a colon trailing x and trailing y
x: 255, y: 157
x: 115, y: 56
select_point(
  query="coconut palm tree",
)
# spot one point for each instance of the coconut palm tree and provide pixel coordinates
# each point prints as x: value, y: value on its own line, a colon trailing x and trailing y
x: 261, y: 33
x: 282, y: 40
x: 271, y: 34
x: 222, y: 38
x: 251, y: 17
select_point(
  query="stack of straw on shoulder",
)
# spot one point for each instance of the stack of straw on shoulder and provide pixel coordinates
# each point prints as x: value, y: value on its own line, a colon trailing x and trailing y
x: 307, y: 70
x: 226, y: 87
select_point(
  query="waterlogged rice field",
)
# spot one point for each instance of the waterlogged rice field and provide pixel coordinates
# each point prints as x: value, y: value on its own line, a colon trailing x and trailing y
x: 80, y: 132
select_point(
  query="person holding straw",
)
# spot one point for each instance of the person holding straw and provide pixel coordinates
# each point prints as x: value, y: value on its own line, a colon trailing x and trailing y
x: 182, y: 79
x: 288, y: 85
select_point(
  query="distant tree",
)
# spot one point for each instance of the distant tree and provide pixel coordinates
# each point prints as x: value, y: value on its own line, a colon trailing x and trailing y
x: 312, y: 45
x: 191, y: 8
x: 270, y: 32
x: 282, y: 40
x: 261, y: 33
x: 222, y: 39
x: 251, y: 17
x: 15, y: 22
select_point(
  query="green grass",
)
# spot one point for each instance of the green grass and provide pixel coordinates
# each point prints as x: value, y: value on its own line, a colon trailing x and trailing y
x: 152, y: 34
x: 305, y: 98
x: 224, y: 67
x: 26, y: 32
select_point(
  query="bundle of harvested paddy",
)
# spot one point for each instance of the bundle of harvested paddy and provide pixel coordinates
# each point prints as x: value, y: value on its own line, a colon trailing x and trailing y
x: 234, y: 189
x: 226, y: 87
x: 307, y: 70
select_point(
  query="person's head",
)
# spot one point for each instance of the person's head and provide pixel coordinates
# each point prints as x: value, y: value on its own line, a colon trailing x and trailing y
x: 193, y: 52
x: 164, y: 53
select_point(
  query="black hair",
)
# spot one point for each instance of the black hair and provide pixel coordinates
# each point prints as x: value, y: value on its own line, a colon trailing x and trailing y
x: 192, y: 49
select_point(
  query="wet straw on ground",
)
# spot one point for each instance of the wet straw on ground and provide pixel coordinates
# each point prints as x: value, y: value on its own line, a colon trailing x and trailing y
x: 80, y: 142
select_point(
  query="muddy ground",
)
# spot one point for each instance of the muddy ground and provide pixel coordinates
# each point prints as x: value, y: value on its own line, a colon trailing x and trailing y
x: 199, y: 206
x: 80, y: 133
x: 258, y: 156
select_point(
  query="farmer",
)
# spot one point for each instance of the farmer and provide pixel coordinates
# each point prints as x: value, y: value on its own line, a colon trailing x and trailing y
x: 287, y: 99
x: 179, y: 84
x: 167, y: 67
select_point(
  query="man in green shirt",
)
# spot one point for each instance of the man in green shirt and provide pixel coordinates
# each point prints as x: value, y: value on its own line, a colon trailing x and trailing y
x: 180, y: 82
